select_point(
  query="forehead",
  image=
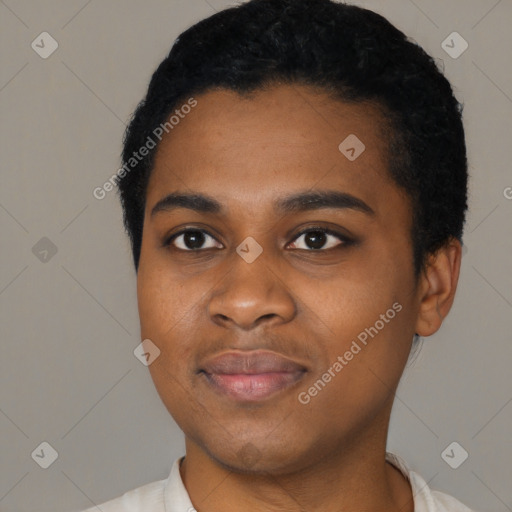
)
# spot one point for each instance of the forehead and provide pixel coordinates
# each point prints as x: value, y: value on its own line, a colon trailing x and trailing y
x: 286, y: 137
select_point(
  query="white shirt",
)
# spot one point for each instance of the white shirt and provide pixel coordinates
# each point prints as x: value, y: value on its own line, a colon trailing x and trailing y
x: 170, y: 495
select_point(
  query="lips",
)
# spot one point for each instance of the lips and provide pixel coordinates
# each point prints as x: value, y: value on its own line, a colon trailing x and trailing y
x: 251, y: 376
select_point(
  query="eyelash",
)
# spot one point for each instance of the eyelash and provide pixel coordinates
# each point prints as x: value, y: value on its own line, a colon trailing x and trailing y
x: 345, y: 241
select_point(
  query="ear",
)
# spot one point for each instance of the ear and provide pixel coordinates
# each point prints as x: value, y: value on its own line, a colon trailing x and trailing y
x: 437, y: 286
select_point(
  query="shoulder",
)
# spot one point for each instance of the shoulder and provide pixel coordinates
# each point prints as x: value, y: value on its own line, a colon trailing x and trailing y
x: 161, y: 496
x: 447, y: 503
x: 426, y: 499
x: 429, y: 500
x: 147, y: 497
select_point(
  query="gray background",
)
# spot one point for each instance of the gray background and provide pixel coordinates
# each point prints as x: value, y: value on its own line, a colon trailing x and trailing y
x: 68, y: 375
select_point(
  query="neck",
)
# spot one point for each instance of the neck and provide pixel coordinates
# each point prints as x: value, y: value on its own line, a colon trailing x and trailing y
x: 354, y: 477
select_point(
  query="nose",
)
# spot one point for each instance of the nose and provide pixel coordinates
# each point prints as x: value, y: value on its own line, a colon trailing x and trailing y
x: 251, y: 294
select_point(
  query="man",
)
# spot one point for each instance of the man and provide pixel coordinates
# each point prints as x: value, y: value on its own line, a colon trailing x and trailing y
x: 294, y: 189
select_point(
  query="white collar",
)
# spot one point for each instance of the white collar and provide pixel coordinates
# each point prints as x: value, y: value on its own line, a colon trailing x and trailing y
x: 177, y: 499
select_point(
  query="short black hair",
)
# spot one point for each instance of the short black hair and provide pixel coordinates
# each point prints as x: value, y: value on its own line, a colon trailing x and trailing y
x: 351, y: 53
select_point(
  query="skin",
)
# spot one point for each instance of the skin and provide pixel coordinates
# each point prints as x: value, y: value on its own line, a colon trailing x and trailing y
x: 307, y: 304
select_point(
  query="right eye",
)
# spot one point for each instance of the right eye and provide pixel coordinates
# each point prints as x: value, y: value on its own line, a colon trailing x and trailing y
x: 193, y: 240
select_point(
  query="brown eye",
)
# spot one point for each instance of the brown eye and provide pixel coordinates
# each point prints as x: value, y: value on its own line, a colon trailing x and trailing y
x: 318, y: 239
x: 193, y: 240
x: 315, y: 239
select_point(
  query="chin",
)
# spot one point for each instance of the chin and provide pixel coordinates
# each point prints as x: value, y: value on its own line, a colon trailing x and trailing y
x: 264, y: 458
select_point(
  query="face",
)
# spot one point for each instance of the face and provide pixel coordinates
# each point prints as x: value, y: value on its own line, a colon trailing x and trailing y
x: 283, y: 301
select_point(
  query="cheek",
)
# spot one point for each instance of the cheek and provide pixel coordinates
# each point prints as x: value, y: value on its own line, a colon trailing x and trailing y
x: 370, y: 325
x: 166, y: 319
x: 170, y: 311
x: 365, y: 358
x: 161, y: 301
x: 346, y: 303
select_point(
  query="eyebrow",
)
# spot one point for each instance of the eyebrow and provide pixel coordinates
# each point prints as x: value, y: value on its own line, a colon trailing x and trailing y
x: 197, y: 202
x: 304, y: 201
x: 299, y: 202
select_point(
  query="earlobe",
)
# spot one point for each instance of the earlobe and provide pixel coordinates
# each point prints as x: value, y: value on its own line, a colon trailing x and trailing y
x: 438, y: 286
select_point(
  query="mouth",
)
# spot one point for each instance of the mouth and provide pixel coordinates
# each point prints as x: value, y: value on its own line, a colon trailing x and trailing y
x: 251, y: 375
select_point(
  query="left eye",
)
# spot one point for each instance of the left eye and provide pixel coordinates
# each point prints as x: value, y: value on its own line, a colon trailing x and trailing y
x: 316, y: 239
